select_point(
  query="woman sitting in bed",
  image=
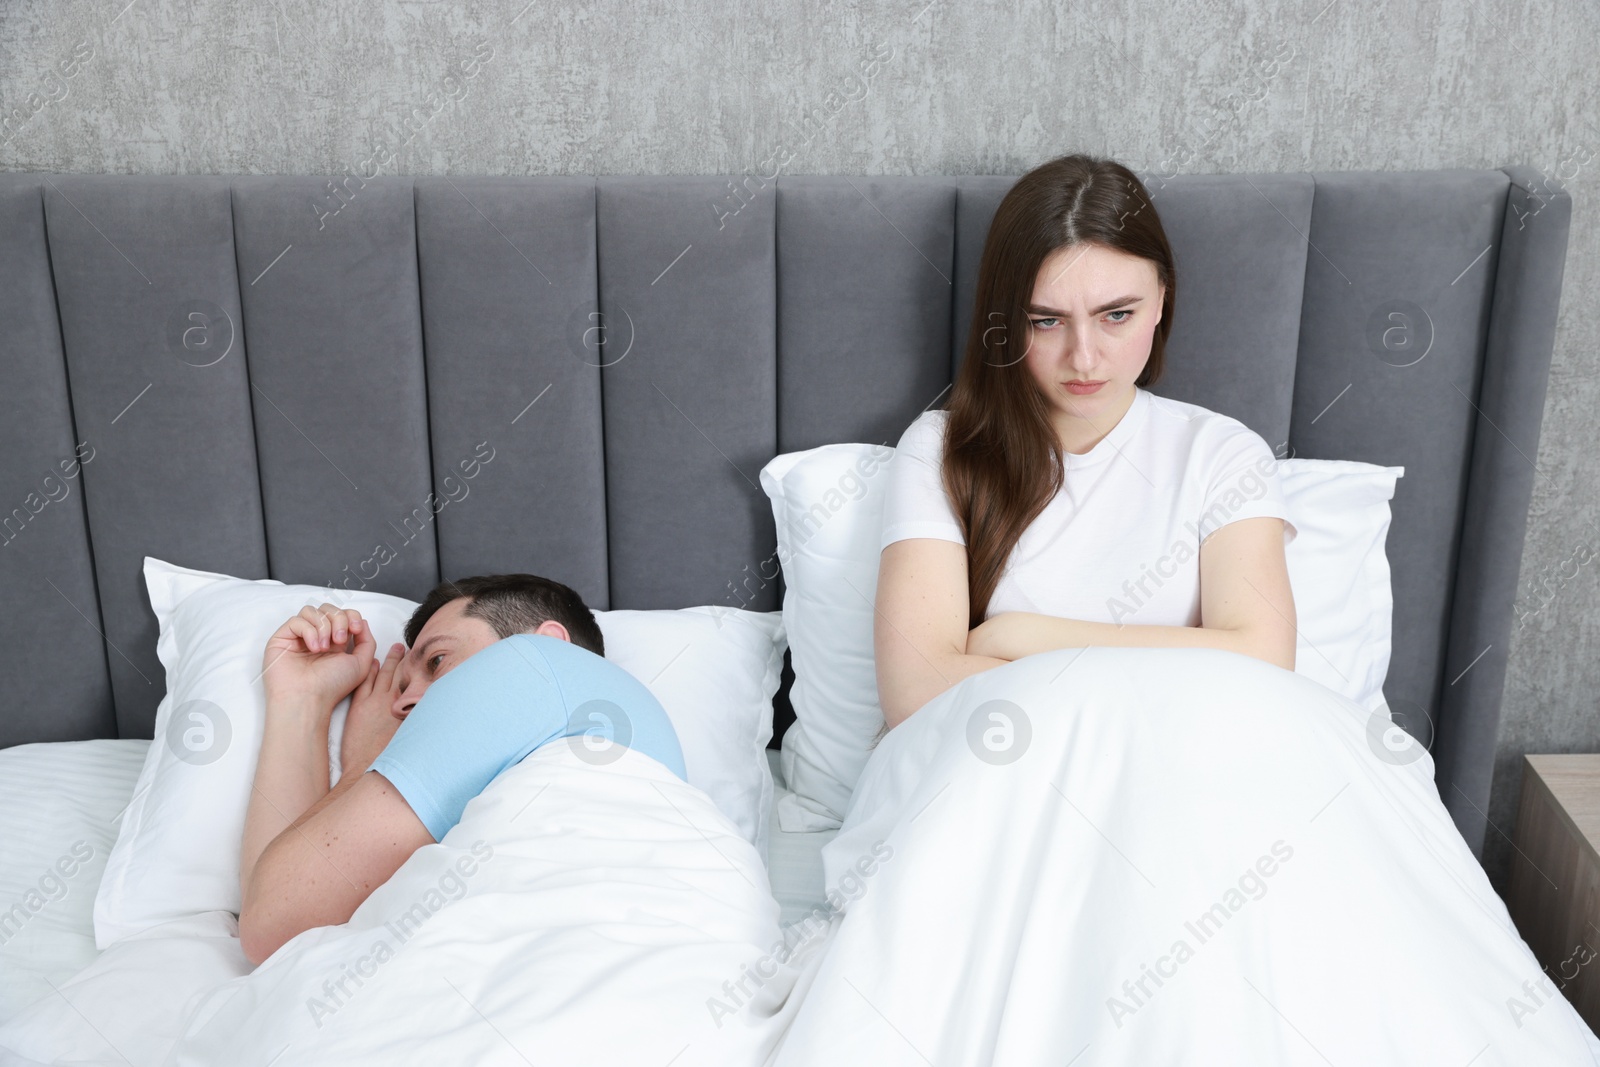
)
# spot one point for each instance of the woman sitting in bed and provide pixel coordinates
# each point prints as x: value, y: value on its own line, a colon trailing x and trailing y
x: 1057, y: 503
x: 1122, y: 830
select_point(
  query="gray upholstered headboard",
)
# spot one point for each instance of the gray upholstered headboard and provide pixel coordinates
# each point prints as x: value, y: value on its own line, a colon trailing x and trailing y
x: 274, y: 376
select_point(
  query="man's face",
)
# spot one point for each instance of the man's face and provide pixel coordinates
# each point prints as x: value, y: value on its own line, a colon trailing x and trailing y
x: 445, y: 641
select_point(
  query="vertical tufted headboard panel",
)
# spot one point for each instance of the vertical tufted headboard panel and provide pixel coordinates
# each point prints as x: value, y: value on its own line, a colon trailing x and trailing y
x: 275, y: 376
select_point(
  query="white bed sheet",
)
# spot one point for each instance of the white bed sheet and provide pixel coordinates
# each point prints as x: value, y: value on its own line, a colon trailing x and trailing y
x: 60, y: 803
x: 56, y: 796
x: 794, y: 859
x: 53, y: 796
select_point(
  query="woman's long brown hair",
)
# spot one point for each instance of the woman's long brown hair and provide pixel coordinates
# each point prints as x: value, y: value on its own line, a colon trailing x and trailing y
x: 1002, y: 459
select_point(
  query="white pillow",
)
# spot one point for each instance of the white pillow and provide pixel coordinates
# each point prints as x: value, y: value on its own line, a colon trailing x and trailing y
x: 714, y: 670
x: 828, y: 505
x: 1339, y: 572
x: 177, y: 851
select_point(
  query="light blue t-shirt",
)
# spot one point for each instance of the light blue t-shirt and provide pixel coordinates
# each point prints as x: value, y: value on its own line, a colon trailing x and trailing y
x: 503, y: 702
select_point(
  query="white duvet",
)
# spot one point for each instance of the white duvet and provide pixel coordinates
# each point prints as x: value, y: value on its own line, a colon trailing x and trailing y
x: 1193, y: 858
x: 578, y: 913
x: 1099, y: 857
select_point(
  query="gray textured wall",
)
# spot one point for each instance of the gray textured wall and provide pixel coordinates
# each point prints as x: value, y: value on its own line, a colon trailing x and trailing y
x: 293, y: 87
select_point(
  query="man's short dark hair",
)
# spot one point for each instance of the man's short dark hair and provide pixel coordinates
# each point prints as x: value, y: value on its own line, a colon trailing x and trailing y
x: 514, y: 604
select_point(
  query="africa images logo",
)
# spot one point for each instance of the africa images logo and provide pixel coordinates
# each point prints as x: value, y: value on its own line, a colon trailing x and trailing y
x: 199, y: 732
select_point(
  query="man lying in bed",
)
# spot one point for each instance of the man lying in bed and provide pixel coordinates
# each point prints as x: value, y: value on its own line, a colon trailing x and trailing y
x: 311, y: 855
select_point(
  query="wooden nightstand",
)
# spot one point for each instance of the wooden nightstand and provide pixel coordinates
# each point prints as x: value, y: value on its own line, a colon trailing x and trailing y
x: 1555, y: 875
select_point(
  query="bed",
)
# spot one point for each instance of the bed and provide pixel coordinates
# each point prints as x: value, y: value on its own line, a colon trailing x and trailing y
x: 638, y: 348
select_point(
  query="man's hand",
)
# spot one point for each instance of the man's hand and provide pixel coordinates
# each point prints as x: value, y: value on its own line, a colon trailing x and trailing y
x: 307, y: 668
x: 371, y: 721
x: 310, y: 659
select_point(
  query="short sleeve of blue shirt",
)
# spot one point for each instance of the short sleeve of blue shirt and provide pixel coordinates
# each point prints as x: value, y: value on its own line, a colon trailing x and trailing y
x: 503, y: 702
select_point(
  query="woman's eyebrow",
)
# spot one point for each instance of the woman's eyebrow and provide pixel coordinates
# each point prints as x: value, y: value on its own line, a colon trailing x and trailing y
x: 1037, y: 309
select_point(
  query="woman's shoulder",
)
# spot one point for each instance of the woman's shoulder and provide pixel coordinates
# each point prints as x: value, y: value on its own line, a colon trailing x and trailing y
x: 925, y: 435
x: 1199, y: 425
x: 1191, y: 414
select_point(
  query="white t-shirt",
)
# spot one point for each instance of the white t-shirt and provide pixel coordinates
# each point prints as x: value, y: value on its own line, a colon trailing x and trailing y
x: 1121, y: 541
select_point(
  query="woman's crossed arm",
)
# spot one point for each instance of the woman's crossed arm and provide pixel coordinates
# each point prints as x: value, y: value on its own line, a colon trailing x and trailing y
x: 923, y: 647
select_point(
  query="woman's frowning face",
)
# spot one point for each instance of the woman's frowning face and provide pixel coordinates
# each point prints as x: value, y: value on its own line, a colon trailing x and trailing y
x: 1092, y: 318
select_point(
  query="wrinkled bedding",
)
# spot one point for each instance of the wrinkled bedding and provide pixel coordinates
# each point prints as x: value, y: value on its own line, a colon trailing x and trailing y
x: 1140, y: 856
x: 579, y: 912
x: 1095, y: 857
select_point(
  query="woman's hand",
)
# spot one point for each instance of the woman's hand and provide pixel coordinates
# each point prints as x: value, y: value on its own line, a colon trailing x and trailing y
x: 371, y: 721
x: 1012, y: 635
x: 990, y: 637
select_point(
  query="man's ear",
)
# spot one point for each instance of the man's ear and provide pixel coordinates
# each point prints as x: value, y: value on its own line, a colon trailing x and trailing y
x: 551, y: 628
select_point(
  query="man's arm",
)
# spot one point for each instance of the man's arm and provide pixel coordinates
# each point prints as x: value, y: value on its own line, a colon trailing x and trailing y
x: 298, y: 833
x: 306, y: 670
x: 317, y: 872
x: 291, y: 775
